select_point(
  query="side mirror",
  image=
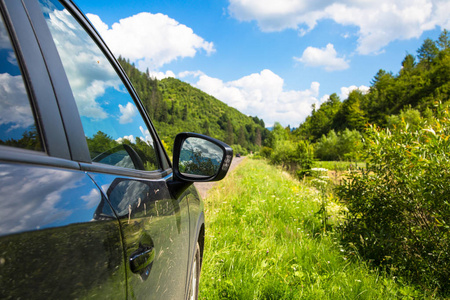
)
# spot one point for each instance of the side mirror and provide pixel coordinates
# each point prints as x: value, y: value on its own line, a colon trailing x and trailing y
x: 198, y: 158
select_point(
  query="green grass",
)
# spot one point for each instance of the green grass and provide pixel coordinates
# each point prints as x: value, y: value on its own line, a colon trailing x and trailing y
x: 264, y: 240
x: 338, y: 165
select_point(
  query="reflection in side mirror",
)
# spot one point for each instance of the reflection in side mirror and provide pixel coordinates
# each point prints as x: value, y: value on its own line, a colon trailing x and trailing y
x: 200, y: 158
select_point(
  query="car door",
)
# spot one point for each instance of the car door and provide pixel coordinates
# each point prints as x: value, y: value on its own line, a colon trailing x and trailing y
x: 121, y: 153
x: 59, y: 237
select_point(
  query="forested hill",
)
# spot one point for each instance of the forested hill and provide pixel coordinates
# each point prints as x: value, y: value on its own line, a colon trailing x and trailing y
x: 423, y: 81
x: 175, y: 106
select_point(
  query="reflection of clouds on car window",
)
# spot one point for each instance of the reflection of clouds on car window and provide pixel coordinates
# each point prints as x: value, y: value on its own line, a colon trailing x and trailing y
x: 14, y: 105
x: 89, y: 72
x: 16, y: 116
x: 4, y: 38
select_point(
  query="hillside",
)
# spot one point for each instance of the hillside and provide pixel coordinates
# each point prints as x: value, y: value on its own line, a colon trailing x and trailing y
x: 175, y: 106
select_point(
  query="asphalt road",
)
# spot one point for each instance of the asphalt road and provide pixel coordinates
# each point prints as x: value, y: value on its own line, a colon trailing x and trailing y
x: 204, y: 187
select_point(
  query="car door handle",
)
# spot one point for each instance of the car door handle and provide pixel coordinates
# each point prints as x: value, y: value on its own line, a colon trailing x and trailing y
x: 141, y: 258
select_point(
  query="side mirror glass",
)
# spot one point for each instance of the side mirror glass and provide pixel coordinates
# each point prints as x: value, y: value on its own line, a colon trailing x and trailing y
x: 200, y: 158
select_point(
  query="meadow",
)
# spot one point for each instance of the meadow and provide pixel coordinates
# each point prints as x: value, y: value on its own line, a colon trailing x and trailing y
x: 265, y: 239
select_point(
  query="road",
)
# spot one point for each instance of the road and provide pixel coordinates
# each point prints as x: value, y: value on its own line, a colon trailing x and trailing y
x: 204, y: 187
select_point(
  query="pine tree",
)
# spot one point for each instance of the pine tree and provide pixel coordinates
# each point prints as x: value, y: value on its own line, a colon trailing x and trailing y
x: 230, y: 134
x: 258, y: 137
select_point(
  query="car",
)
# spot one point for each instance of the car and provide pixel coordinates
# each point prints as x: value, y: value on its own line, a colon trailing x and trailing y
x: 91, y: 206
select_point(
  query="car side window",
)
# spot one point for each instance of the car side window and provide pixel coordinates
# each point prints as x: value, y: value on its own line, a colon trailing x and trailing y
x: 17, y: 123
x: 115, y: 131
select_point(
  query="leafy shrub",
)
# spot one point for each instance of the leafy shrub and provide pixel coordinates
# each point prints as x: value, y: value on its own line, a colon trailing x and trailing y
x: 399, y: 209
x: 294, y: 156
x: 266, y: 152
x: 409, y: 116
x: 239, y: 149
x: 345, y: 145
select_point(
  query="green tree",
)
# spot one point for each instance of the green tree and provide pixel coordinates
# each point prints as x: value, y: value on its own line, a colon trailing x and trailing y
x: 427, y: 52
x: 408, y: 63
x: 185, y: 113
x: 258, y: 137
x: 230, y: 133
x: 351, y: 114
x: 444, y: 40
x: 241, y: 138
x: 206, y: 128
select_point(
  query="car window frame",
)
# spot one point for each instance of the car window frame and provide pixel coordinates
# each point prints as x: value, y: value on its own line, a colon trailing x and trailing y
x: 67, y: 105
x: 38, y: 87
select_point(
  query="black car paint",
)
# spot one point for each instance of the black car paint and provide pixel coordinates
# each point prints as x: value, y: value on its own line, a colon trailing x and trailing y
x: 59, y: 236
x: 71, y: 228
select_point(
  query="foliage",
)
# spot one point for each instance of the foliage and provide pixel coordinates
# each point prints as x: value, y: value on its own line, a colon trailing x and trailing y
x: 238, y: 149
x: 409, y: 116
x: 345, y: 145
x: 399, y: 209
x: 30, y: 140
x: 294, y: 156
x: 264, y: 240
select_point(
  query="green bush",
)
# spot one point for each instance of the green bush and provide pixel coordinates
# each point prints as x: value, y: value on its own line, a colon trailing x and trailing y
x: 295, y: 156
x: 345, y: 145
x: 399, y: 208
x: 266, y: 152
x: 239, y: 149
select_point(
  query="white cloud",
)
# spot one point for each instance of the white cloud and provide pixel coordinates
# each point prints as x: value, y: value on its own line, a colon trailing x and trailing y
x: 345, y: 91
x: 162, y: 75
x: 127, y: 113
x: 194, y: 74
x: 379, y: 22
x: 262, y: 94
x: 324, y: 57
x: 127, y: 137
x: 151, y: 40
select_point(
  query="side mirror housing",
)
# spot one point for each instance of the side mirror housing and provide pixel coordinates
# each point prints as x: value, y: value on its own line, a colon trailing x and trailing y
x: 200, y: 158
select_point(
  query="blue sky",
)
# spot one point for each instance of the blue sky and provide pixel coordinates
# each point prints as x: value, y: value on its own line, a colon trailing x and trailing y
x: 269, y: 58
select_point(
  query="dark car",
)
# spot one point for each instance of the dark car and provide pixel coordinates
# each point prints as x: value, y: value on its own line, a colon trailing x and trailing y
x: 90, y: 204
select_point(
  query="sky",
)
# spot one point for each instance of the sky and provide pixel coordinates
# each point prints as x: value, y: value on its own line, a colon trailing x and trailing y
x: 269, y: 58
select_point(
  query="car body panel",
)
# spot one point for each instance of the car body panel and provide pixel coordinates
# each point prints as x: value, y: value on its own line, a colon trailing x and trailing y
x: 57, y: 227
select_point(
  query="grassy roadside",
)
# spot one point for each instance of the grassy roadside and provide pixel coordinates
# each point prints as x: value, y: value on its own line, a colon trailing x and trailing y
x: 264, y: 240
